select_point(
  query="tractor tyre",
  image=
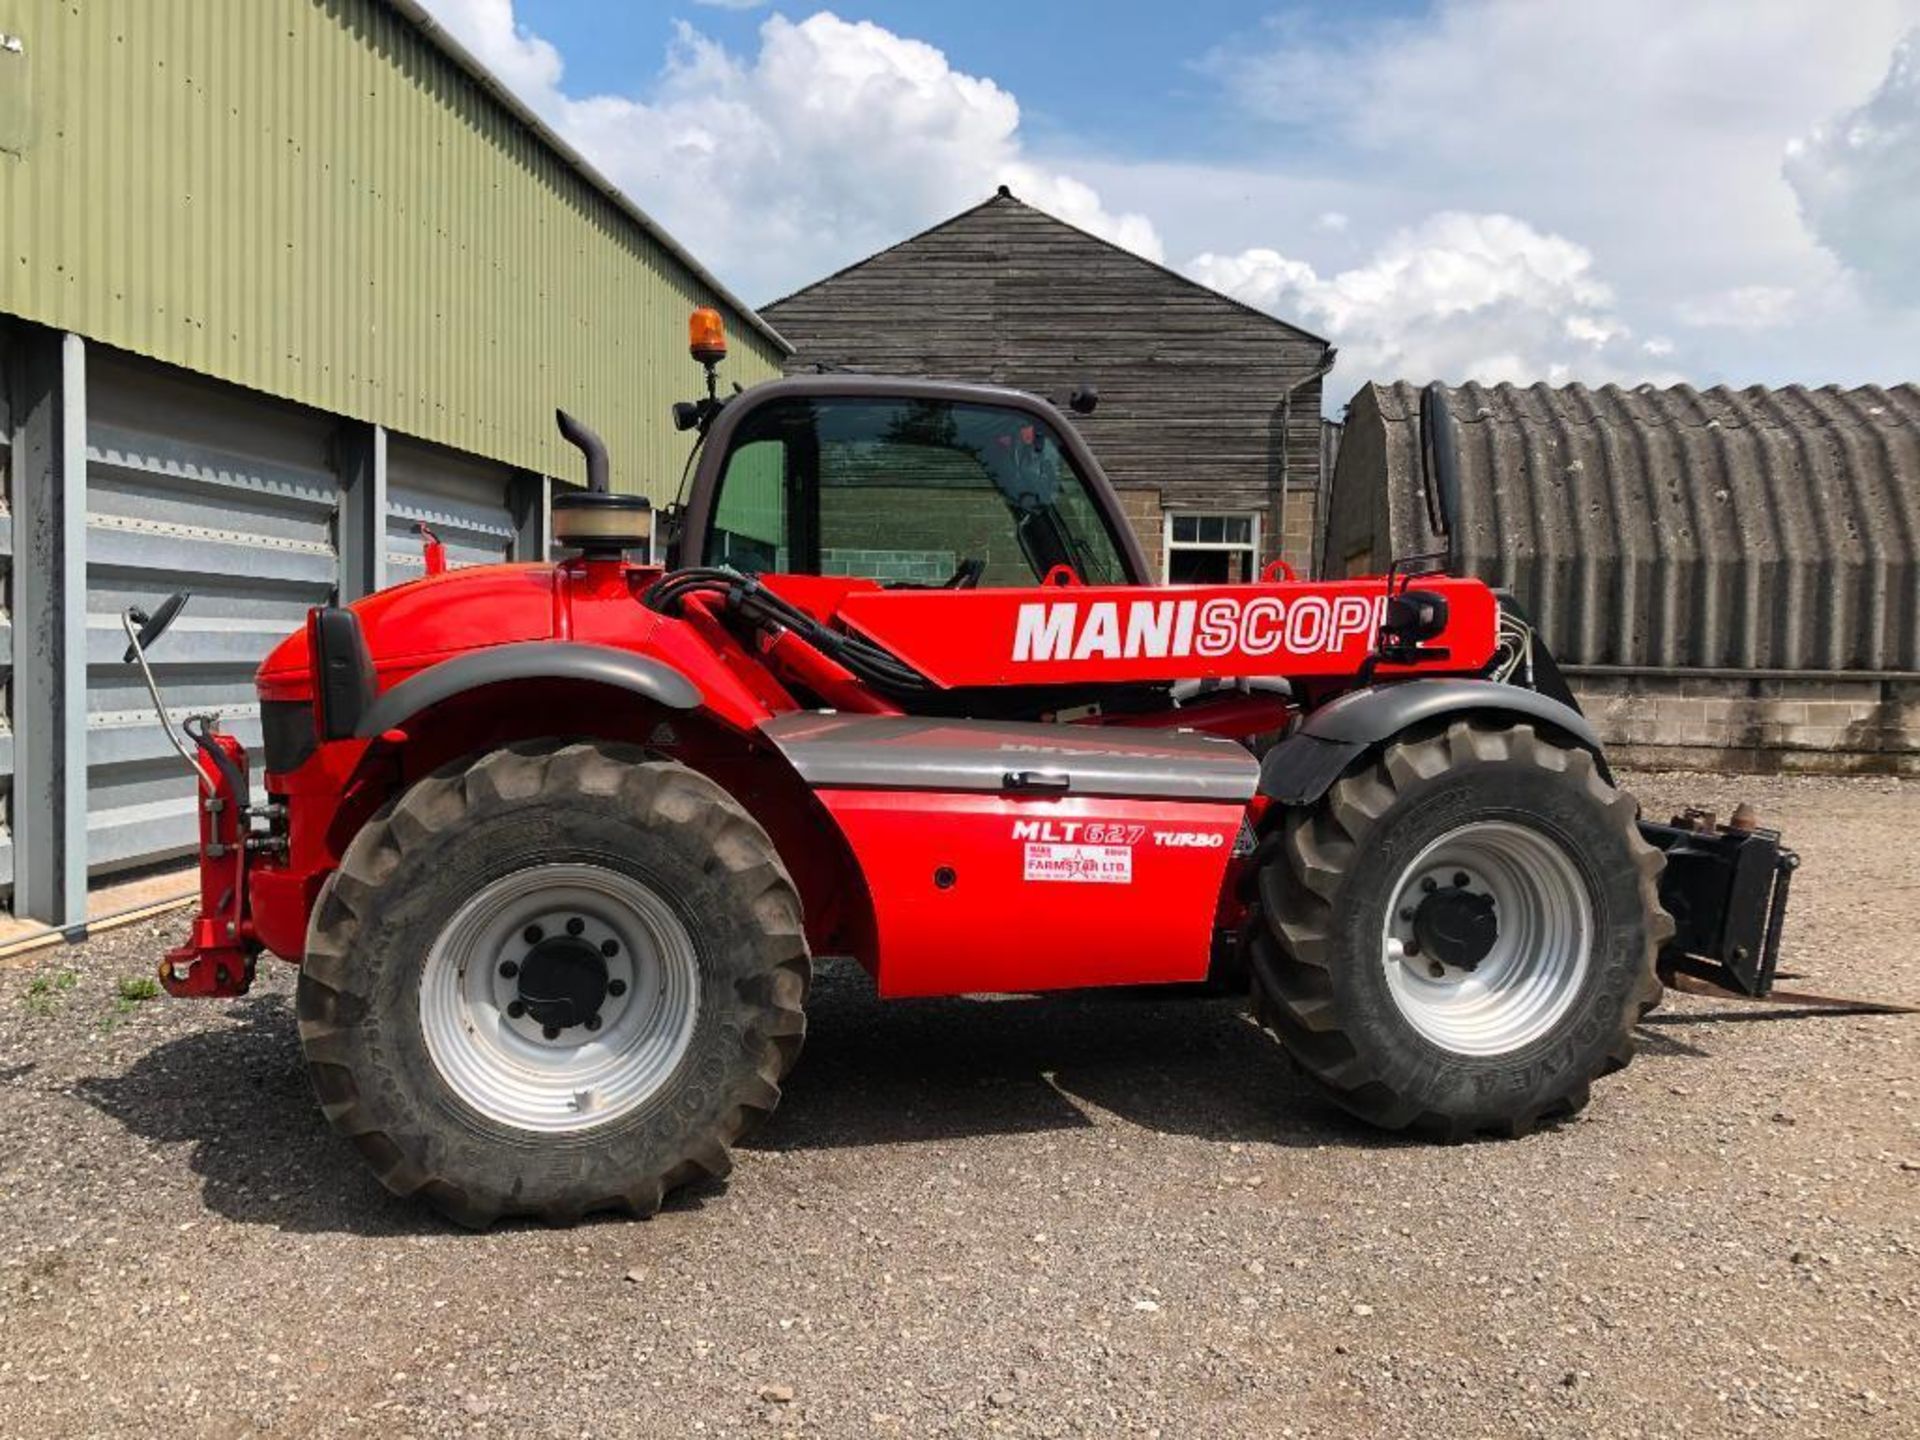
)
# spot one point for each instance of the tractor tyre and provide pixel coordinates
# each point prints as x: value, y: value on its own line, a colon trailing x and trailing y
x: 561, y: 978
x: 1460, y: 936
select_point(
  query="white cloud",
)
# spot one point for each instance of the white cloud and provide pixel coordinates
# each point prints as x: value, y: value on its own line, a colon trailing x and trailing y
x: 1744, y: 307
x: 834, y: 140
x: 1440, y: 191
x: 1650, y: 133
x: 528, y: 64
x: 1457, y: 297
x: 1858, y: 180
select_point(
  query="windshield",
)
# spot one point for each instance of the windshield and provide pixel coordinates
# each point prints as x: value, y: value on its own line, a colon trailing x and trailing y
x: 910, y: 492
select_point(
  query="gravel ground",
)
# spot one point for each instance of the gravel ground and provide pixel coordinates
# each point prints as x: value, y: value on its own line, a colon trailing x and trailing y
x: 1090, y: 1215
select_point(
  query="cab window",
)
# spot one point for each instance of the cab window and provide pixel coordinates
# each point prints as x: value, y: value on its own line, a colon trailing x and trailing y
x: 907, y: 492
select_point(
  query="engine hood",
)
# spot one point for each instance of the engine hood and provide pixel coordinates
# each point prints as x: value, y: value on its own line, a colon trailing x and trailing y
x: 425, y: 620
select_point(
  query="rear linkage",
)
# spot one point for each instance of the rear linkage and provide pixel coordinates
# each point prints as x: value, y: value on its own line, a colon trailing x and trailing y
x: 217, y: 957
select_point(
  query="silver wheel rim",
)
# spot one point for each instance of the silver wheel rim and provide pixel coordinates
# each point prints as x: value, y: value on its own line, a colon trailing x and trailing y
x: 508, y: 1067
x: 1536, y: 966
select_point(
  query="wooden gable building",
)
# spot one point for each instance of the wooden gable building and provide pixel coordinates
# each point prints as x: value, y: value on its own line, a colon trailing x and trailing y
x: 1209, y: 414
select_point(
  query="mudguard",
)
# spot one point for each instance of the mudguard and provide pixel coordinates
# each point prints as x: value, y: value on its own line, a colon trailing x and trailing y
x: 1301, y: 768
x: 528, y: 660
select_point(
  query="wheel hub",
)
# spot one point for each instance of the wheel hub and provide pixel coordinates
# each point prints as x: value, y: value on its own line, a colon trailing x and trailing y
x: 1489, y: 937
x: 560, y: 996
x: 563, y: 983
x: 1456, y: 927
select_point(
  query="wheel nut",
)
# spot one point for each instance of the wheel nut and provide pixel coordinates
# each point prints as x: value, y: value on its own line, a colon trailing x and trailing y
x: 1406, y: 912
x: 609, y: 948
x: 533, y: 934
x: 1436, y: 970
x: 508, y: 969
x: 552, y: 1032
x: 576, y: 925
x: 1460, y: 878
x: 616, y: 987
x: 516, y: 1010
x: 593, y: 1022
x: 1429, y: 884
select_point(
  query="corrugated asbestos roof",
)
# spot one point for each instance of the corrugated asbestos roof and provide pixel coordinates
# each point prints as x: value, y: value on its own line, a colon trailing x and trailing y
x: 1745, y: 529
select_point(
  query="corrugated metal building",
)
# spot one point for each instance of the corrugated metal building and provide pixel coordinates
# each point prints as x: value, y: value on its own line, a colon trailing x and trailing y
x: 1735, y: 571
x: 1209, y: 414
x: 278, y: 279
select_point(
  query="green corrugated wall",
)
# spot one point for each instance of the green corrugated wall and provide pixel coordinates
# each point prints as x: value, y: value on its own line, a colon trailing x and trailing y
x: 308, y: 198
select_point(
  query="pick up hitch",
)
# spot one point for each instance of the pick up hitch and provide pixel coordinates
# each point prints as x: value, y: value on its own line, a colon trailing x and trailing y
x: 218, y: 955
x: 1726, y: 887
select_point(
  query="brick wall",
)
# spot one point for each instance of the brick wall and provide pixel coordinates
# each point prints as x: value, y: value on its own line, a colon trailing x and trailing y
x: 1297, y: 532
x: 1798, y: 724
x: 1141, y: 506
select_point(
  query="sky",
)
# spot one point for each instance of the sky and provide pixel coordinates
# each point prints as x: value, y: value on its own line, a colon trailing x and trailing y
x: 1634, y: 191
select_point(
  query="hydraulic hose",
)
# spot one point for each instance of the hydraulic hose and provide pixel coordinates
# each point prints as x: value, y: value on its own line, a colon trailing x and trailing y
x: 748, y: 598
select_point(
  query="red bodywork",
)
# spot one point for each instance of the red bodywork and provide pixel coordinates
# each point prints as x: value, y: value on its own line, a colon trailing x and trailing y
x: 1082, y: 890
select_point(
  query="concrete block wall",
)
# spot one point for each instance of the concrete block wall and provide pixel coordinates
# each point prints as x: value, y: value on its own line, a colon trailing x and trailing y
x: 1807, y: 723
x: 917, y: 567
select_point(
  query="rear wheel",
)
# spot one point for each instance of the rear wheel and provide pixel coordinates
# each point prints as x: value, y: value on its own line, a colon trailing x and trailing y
x: 1459, y: 938
x: 554, y: 980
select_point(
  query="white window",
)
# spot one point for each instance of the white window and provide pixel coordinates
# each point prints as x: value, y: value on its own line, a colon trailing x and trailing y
x: 1211, y: 549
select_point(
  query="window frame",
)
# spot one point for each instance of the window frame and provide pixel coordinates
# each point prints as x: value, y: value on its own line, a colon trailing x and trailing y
x: 1249, y: 547
x: 802, y: 467
x: 689, y: 538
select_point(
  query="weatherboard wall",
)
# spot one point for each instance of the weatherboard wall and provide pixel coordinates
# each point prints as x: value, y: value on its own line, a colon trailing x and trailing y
x: 1193, y: 386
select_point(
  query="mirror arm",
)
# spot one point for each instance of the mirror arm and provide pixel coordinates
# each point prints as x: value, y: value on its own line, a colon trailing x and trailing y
x: 138, y: 653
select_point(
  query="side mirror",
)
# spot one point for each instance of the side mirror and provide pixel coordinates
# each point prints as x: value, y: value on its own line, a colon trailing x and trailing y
x: 153, y: 626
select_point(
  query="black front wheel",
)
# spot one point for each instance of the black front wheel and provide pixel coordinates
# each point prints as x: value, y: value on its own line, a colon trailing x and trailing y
x: 560, y: 978
x: 1460, y: 937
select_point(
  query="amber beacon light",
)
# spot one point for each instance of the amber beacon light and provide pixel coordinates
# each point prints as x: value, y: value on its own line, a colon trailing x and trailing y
x: 706, y: 336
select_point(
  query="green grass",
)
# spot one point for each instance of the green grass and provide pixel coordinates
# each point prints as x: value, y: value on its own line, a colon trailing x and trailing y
x: 130, y: 992
x: 45, y: 992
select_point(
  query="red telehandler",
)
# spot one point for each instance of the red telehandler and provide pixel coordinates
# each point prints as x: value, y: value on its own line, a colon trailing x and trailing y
x: 553, y: 844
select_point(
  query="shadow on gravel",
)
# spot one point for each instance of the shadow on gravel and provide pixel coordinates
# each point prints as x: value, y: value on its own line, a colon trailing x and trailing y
x: 872, y: 1073
x: 237, y: 1093
x: 916, y: 1070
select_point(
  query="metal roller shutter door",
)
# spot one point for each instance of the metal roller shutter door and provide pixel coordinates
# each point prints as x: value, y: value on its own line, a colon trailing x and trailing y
x: 209, y: 488
x: 467, y: 502
x: 6, y: 612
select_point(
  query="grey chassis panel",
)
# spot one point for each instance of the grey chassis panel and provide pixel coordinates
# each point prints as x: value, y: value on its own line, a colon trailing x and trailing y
x: 1302, y: 767
x: 886, y: 752
x: 528, y: 660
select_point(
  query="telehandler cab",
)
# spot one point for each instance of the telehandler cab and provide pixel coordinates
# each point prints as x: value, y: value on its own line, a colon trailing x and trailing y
x: 553, y: 844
